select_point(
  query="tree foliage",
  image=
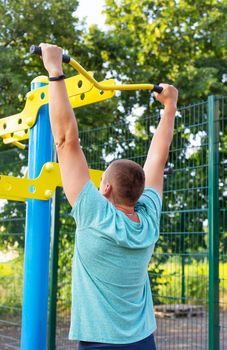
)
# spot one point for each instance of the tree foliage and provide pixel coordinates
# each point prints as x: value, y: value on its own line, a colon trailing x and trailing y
x: 181, y: 42
x: 24, y: 23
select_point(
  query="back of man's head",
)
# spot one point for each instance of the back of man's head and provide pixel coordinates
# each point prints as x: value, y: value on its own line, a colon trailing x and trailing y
x: 127, y: 180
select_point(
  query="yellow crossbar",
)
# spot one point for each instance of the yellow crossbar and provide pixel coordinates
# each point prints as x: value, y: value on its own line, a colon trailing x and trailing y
x: 81, y: 92
x: 42, y: 187
x: 105, y: 85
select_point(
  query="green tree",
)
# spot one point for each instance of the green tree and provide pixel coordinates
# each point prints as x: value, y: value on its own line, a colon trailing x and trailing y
x: 181, y: 42
x: 27, y: 22
x: 24, y: 23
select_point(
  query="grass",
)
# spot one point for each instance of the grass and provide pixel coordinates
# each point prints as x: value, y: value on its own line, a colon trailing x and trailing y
x: 11, y: 283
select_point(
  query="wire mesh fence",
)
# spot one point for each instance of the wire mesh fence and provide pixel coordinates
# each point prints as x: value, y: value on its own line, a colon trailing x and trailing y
x: 179, y: 269
x: 181, y: 255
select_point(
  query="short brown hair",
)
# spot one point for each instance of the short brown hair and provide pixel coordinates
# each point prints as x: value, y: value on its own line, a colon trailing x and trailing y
x: 127, y: 179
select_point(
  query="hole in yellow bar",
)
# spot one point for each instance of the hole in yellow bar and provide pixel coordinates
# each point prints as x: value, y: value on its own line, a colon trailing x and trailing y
x: 42, y: 95
x: 19, y: 121
x: 32, y: 189
x: 101, y: 92
x: 80, y: 83
x: 82, y: 97
x: 4, y: 126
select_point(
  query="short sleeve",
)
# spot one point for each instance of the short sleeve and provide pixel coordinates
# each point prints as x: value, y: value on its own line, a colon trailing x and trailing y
x: 90, y: 206
x: 151, y: 200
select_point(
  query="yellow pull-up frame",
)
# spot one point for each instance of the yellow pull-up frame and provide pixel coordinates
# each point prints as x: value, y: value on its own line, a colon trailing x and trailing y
x: 43, y: 187
x: 82, y: 90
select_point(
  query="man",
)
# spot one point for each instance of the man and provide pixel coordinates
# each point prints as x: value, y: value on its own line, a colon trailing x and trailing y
x: 117, y: 227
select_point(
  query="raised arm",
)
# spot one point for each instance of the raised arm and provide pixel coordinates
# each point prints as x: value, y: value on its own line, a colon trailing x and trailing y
x: 72, y: 162
x: 159, y: 148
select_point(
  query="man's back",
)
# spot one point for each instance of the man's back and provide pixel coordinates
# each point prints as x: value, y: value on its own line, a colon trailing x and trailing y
x: 111, y: 291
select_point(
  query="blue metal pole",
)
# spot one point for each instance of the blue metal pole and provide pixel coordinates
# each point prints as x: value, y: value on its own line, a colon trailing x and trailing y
x: 37, y: 237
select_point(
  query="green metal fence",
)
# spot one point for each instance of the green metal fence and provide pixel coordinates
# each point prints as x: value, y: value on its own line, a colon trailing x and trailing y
x: 12, y: 227
x: 188, y: 271
x: 222, y: 185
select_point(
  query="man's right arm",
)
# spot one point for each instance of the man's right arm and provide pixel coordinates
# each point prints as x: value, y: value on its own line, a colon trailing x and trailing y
x: 159, y: 149
x: 73, y: 165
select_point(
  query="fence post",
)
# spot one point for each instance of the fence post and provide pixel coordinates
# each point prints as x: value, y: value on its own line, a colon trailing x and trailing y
x: 182, y: 244
x: 52, y: 322
x: 37, y: 237
x: 213, y: 222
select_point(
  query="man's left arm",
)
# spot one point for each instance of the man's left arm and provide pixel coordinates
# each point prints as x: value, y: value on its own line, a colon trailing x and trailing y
x: 72, y: 162
x: 159, y: 148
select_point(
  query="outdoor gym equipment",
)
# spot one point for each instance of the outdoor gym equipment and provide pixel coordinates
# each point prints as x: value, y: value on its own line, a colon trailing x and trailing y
x: 40, y: 184
x: 101, y: 86
x: 82, y: 90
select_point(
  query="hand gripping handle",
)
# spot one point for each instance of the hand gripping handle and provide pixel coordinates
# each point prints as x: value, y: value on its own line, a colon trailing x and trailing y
x: 38, y: 51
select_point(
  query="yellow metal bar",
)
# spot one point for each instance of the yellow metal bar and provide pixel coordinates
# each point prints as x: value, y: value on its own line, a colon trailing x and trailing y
x: 76, y: 85
x: 43, y: 187
x: 104, y: 85
x: 81, y: 92
x: 16, y: 136
x: 19, y: 145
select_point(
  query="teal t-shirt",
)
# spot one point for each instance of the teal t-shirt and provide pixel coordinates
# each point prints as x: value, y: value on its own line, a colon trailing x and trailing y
x: 111, y: 296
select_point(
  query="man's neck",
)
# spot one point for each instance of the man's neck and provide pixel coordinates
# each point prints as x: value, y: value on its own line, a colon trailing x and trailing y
x: 127, y: 209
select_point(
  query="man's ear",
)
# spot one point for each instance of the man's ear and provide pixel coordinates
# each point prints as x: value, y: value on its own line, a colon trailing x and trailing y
x: 107, y: 190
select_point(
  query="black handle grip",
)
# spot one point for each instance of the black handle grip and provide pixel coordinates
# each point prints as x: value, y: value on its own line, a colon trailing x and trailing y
x: 38, y: 51
x: 158, y: 88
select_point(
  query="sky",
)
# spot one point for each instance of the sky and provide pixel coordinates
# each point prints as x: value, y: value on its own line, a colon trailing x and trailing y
x: 92, y: 10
